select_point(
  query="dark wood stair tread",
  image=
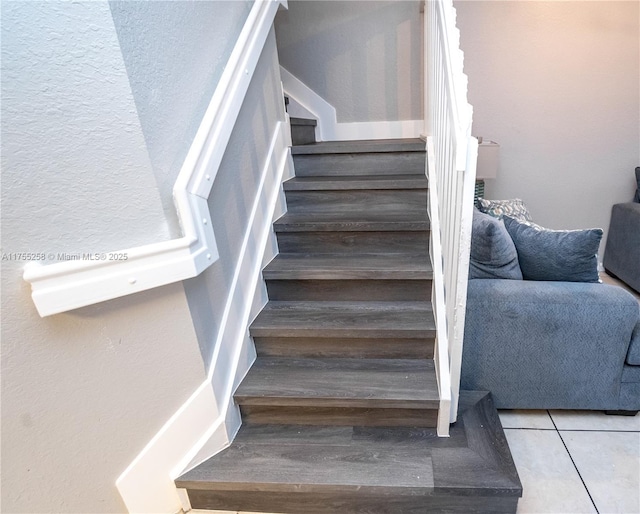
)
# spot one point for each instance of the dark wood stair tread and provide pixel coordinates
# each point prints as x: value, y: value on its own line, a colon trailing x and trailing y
x: 308, y: 459
x: 345, y: 319
x: 335, y: 382
x: 347, y: 182
x: 334, y: 267
x: 302, y: 121
x: 361, y: 146
x: 369, y: 220
x: 321, y: 469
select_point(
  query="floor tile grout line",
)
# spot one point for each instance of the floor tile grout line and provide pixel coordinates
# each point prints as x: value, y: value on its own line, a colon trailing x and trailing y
x: 605, y: 430
x: 589, y: 429
x: 529, y: 428
x: 573, y: 430
x: 574, y: 465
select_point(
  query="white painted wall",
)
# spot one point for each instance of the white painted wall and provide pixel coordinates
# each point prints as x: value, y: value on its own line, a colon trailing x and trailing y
x: 557, y: 84
x: 175, y: 53
x: 83, y: 392
x: 363, y: 57
x: 71, y: 138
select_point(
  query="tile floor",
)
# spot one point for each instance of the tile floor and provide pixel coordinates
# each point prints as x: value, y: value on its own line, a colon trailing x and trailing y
x: 573, y: 462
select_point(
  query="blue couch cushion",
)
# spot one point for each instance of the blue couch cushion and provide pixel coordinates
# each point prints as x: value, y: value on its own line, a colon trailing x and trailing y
x: 558, y: 255
x: 637, y: 197
x: 493, y: 254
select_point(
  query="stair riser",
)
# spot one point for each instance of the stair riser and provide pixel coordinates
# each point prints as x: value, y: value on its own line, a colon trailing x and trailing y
x: 322, y: 347
x: 409, y: 200
x: 336, y: 416
x: 344, y: 243
x: 359, y: 333
x: 361, y: 502
x: 303, y: 134
x: 346, y: 290
x: 327, y: 165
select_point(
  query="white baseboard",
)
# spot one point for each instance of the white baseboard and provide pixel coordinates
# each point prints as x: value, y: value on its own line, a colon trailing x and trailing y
x: 379, y: 130
x: 208, y: 421
x: 328, y: 128
x: 146, y: 486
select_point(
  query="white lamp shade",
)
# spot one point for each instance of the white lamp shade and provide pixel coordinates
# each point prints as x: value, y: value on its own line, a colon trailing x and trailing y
x: 488, y: 153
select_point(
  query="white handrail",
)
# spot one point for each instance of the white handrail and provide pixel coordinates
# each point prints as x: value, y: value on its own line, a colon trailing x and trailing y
x: 452, y: 155
x: 72, y: 284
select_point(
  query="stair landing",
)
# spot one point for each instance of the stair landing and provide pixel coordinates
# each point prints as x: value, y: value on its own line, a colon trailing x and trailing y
x: 347, y: 469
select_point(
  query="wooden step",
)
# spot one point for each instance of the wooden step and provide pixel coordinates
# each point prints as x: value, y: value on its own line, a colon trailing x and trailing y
x: 329, y: 347
x: 303, y: 131
x: 348, y: 201
x: 322, y: 277
x: 385, y: 182
x: 302, y: 121
x: 365, y: 220
x: 353, y: 241
x: 349, y: 290
x: 400, y: 163
x: 375, y: 157
x: 330, y: 469
x: 333, y: 267
x: 362, y: 146
x: 345, y: 319
x: 338, y: 391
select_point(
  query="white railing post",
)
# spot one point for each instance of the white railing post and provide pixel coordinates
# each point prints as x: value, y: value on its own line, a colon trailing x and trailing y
x: 451, y: 171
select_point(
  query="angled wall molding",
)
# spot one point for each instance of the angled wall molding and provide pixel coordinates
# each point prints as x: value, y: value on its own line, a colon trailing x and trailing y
x: 64, y: 286
x: 208, y: 420
x: 328, y: 128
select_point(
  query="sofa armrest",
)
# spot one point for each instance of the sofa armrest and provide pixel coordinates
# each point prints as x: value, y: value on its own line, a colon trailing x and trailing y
x: 633, y: 356
x: 541, y: 345
x: 622, y: 252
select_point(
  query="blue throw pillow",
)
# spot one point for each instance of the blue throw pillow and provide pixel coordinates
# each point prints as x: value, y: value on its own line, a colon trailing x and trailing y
x: 559, y: 255
x: 493, y: 254
x: 637, y: 197
x: 514, y: 208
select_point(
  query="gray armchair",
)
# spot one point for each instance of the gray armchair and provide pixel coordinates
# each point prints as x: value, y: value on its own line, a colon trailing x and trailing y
x: 622, y: 253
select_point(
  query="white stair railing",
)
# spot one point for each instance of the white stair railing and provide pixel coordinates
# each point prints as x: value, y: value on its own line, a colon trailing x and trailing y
x: 451, y: 163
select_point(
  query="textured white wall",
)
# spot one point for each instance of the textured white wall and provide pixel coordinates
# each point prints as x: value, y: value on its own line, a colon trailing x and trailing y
x: 363, y: 57
x: 175, y: 53
x: 557, y: 84
x: 234, y: 193
x: 73, y: 153
x: 82, y: 392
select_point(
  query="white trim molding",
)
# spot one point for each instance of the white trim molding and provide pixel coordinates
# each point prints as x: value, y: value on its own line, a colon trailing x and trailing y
x: 379, y: 130
x: 68, y: 285
x: 328, y: 128
x: 209, y: 420
x: 441, y: 351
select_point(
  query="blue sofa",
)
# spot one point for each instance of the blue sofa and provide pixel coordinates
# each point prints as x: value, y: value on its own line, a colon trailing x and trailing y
x: 552, y: 345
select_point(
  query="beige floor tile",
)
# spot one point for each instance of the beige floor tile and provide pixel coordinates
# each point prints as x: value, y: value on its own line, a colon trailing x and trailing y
x: 550, y: 482
x: 594, y: 420
x: 538, y: 419
x: 609, y: 463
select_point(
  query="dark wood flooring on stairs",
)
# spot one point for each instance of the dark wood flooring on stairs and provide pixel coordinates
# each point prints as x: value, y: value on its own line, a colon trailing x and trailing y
x: 339, y: 408
x: 362, y: 469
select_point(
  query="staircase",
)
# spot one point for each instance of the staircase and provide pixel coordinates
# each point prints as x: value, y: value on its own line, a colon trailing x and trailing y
x: 340, y: 406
